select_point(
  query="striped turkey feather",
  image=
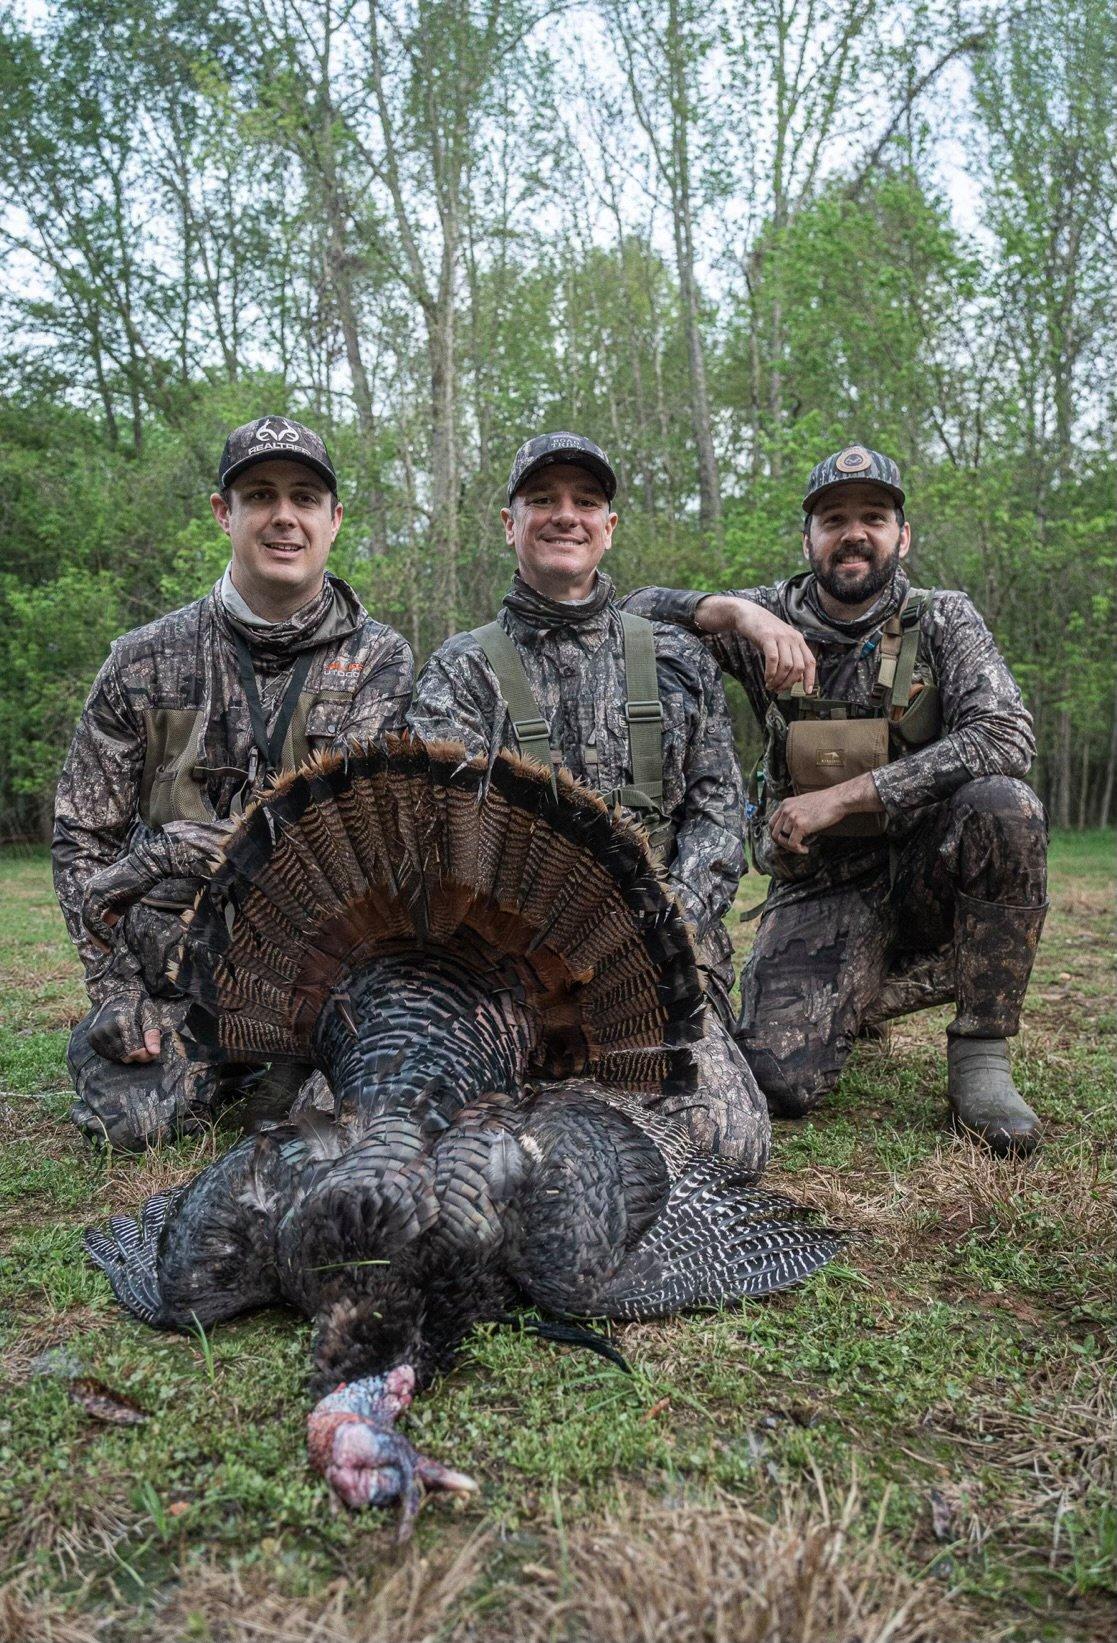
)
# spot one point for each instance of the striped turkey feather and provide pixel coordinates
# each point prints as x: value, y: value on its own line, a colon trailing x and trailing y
x: 405, y: 845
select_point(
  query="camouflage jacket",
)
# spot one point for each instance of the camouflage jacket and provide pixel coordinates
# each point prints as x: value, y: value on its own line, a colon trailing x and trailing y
x: 574, y: 660
x: 358, y: 684
x: 986, y: 729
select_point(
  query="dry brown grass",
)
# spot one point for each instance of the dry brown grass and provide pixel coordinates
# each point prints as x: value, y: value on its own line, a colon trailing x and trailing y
x: 959, y: 1189
x: 412, y: 1603
x: 648, y: 1573
x: 130, y: 1181
x: 29, y: 1618
x: 720, y: 1574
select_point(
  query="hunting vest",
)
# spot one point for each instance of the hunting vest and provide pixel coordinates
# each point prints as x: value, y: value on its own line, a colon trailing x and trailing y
x: 173, y: 783
x: 643, y: 713
x: 812, y: 742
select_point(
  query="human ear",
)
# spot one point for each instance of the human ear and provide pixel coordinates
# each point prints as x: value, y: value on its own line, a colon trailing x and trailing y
x: 221, y: 510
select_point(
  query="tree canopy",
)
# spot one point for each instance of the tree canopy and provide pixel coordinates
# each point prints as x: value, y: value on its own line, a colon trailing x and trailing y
x: 720, y: 239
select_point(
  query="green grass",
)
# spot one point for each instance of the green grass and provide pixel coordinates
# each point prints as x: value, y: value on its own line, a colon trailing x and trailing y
x: 955, y: 1355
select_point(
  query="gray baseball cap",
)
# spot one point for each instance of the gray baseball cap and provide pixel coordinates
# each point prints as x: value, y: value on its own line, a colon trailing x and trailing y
x: 855, y: 462
x: 544, y: 449
x: 270, y: 438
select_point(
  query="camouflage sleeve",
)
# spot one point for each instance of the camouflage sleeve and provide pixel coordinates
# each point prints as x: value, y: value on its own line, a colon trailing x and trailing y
x: 674, y: 605
x: 987, y: 731
x: 732, y: 654
x: 381, y: 700
x: 95, y: 806
x: 709, y: 853
x: 456, y: 699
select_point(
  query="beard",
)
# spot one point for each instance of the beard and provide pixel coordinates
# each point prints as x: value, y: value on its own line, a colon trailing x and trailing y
x: 866, y: 587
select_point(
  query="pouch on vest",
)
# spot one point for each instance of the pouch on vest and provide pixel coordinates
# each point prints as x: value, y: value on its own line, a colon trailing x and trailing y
x: 832, y: 742
x: 173, y: 784
x: 825, y: 752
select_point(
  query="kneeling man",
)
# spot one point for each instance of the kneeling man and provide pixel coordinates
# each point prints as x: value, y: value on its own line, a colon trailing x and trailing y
x: 634, y: 709
x: 908, y: 858
x: 187, y: 720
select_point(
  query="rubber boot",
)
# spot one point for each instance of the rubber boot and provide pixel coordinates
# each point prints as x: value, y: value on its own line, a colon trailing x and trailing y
x: 994, y: 949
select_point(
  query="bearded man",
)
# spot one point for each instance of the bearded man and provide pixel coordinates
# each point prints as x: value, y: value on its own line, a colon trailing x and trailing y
x: 908, y: 858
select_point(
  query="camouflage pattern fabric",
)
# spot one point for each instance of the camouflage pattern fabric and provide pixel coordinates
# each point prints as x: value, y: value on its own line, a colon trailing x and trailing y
x: 824, y: 966
x: 987, y: 730
x: 574, y: 659
x: 360, y: 671
x: 860, y: 930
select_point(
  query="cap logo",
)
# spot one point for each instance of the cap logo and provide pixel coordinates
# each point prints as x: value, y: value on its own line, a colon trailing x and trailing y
x: 268, y: 433
x: 854, y: 461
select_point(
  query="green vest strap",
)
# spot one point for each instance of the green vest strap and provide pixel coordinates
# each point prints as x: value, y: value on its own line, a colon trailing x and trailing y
x: 899, y: 646
x: 643, y: 709
x: 533, y: 734
x: 910, y: 618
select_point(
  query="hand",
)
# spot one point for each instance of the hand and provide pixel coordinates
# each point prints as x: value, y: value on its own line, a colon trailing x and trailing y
x: 126, y: 1028
x: 183, y: 850
x: 805, y: 814
x: 788, y: 659
x: 110, y: 893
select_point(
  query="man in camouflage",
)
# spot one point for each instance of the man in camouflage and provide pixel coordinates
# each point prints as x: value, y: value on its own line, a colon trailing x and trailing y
x: 919, y: 880
x: 576, y: 672
x: 186, y: 721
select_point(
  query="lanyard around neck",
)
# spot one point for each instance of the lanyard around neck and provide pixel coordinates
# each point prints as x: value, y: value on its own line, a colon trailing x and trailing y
x: 270, y: 747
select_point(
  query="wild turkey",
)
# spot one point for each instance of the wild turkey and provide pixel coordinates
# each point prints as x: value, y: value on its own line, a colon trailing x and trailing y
x: 446, y: 940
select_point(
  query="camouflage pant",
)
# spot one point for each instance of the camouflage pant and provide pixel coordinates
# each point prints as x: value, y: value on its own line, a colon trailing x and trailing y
x: 955, y: 915
x: 727, y: 1115
x: 131, y: 1106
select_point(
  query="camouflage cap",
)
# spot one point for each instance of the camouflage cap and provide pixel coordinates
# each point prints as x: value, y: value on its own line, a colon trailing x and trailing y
x: 854, y: 462
x: 269, y: 438
x: 547, y: 448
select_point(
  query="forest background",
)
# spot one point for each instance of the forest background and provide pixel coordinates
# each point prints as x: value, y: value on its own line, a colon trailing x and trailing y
x: 720, y: 238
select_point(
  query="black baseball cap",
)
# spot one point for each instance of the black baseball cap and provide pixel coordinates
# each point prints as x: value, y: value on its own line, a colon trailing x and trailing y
x: 854, y: 462
x: 544, y: 449
x: 268, y: 438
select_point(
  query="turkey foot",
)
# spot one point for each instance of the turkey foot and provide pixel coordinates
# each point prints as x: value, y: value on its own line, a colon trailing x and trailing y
x: 352, y: 1441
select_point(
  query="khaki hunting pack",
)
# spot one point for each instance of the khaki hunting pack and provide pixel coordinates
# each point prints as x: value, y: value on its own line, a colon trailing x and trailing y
x: 823, y: 742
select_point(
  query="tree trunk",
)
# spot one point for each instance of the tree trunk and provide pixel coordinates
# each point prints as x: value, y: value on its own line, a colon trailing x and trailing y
x: 1110, y: 771
x: 445, y: 522
x: 709, y: 489
x: 1063, y: 769
x: 1083, y: 785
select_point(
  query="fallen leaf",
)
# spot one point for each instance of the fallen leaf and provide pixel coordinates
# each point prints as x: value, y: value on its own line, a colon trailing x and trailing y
x: 657, y: 1408
x: 103, y: 1404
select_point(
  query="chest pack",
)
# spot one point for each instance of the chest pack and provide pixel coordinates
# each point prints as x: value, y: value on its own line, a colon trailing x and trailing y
x: 174, y: 780
x: 643, y: 714
x: 822, y: 742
